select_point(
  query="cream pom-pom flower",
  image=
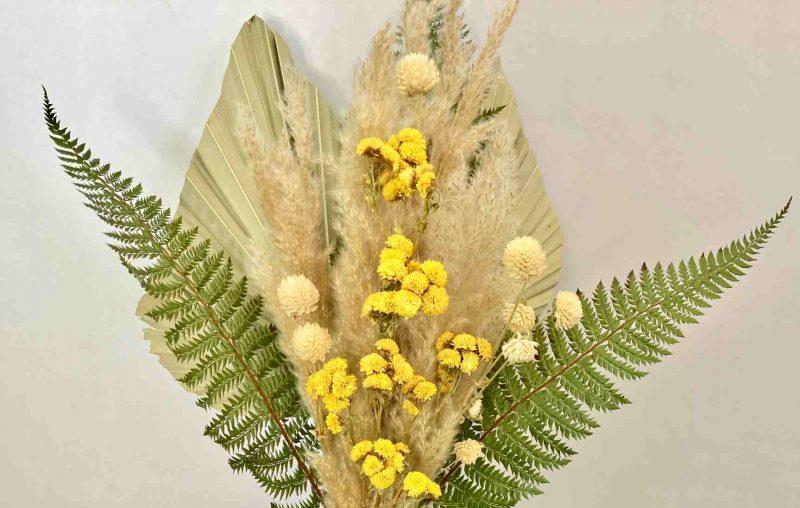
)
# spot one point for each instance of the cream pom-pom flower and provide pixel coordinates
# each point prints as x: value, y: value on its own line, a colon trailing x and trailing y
x: 567, y: 310
x: 468, y: 451
x: 416, y: 74
x: 475, y: 410
x: 518, y: 350
x: 311, y: 342
x: 297, y: 295
x: 524, y: 259
x: 523, y: 319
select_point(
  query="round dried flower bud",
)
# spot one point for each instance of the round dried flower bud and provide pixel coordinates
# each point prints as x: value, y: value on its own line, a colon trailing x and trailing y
x: 298, y: 295
x: 475, y: 410
x: 523, y: 320
x: 524, y: 259
x: 468, y: 451
x: 311, y: 342
x: 517, y: 350
x: 567, y: 310
x: 416, y: 74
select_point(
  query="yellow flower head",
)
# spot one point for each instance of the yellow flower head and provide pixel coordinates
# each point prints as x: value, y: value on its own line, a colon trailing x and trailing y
x: 410, y: 408
x: 416, y: 282
x: 403, y: 371
x: 444, y: 340
x: 469, y: 362
x: 484, y: 349
x: 382, y: 461
x: 405, y: 167
x: 378, y: 303
x: 387, y: 345
x: 389, y: 254
x: 372, y: 363
x: 406, y: 304
x: 449, y: 358
x: 435, y: 301
x: 435, y: 272
x: 334, y: 423
x: 378, y: 381
x: 409, y: 135
x: 392, y: 269
x: 401, y: 243
x: 335, y: 388
x: 425, y: 183
x: 465, y: 342
x: 360, y: 449
x: 417, y: 484
x: 369, y: 146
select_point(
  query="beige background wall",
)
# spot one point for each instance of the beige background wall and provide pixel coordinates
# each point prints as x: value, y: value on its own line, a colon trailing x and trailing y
x: 663, y: 127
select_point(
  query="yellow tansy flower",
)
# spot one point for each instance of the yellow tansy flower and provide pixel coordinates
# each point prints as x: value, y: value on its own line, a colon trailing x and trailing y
x: 360, y: 449
x: 484, y: 349
x: 369, y: 146
x: 435, y: 301
x: 410, y: 408
x: 417, y: 484
x: 465, y: 341
x: 416, y: 282
x: 444, y: 339
x: 387, y: 345
x: 406, y: 304
x: 449, y: 357
x: 403, y: 371
x: 372, y: 363
x: 401, y: 243
x: 392, y: 269
x: 388, y: 254
x: 435, y: 272
x: 469, y: 362
x: 380, y: 381
x: 334, y: 423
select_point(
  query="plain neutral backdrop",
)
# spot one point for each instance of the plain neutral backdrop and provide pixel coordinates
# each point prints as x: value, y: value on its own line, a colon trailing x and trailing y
x: 664, y: 128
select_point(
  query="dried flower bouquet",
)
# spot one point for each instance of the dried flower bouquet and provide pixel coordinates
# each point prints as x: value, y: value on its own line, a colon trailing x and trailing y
x: 398, y: 341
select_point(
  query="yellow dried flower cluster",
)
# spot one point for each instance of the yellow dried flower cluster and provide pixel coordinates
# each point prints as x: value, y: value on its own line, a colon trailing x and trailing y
x: 459, y: 352
x: 387, y: 369
x: 335, y: 388
x: 404, y: 166
x: 408, y: 285
x: 381, y: 460
x: 417, y: 484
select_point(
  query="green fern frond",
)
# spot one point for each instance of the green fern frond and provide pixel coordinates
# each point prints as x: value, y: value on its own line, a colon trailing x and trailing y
x: 215, y: 325
x: 532, y: 410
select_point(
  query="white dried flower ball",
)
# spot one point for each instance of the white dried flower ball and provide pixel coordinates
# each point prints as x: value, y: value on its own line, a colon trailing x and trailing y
x: 468, y: 451
x: 518, y: 350
x: 475, y: 410
x: 523, y: 320
x: 416, y: 74
x: 311, y: 342
x: 567, y: 310
x: 524, y: 259
x: 298, y: 295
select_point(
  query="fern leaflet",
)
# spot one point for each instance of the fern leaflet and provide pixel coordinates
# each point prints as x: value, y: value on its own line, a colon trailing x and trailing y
x: 214, y: 325
x: 532, y: 410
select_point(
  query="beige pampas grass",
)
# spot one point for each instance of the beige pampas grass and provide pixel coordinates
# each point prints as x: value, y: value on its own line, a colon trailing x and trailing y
x: 463, y: 222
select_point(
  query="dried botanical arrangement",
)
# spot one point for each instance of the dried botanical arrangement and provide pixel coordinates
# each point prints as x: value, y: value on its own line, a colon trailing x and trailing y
x: 368, y: 306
